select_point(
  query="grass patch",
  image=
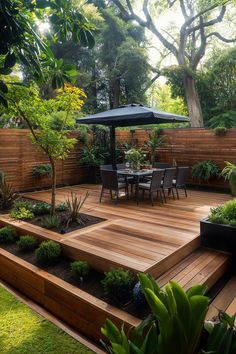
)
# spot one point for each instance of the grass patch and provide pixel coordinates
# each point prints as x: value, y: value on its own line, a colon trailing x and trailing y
x: 23, y: 332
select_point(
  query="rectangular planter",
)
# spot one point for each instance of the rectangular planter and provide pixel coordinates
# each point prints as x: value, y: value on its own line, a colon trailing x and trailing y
x: 82, y: 311
x: 217, y: 236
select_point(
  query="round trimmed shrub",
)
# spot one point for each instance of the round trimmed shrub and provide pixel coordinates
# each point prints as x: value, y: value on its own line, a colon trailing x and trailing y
x: 7, y: 234
x: 79, y: 269
x: 27, y: 243
x: 118, y: 285
x: 48, y: 252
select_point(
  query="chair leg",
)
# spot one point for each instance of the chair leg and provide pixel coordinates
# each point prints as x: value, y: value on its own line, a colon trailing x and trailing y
x: 143, y: 194
x: 127, y: 192
x: 185, y: 190
x: 164, y: 195
x: 117, y: 197
x: 173, y: 195
x: 177, y: 192
x: 111, y: 194
x: 151, y: 195
x: 101, y: 194
x: 161, y: 197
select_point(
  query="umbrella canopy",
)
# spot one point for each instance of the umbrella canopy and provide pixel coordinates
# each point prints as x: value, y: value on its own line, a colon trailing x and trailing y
x: 133, y: 114
x: 129, y: 115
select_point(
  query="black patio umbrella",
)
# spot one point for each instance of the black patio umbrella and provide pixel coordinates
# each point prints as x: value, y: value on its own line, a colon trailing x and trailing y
x: 129, y: 115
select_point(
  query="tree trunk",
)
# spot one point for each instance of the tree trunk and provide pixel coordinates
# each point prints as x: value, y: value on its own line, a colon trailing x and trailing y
x: 116, y: 92
x: 54, y: 185
x: 193, y: 102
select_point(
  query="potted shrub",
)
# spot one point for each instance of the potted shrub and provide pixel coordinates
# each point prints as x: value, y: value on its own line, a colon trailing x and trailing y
x: 229, y: 172
x: 135, y: 157
x: 219, y: 229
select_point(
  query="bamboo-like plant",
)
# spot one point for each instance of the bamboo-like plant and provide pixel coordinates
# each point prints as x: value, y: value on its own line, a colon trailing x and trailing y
x: 229, y: 172
x: 74, y: 209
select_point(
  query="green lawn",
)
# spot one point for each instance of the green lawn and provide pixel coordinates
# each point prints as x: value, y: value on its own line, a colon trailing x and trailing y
x: 24, y: 332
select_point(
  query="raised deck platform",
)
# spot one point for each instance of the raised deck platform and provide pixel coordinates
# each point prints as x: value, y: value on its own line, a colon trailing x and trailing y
x: 141, y: 238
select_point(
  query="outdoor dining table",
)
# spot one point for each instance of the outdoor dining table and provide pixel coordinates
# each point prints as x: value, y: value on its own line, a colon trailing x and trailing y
x: 136, y: 174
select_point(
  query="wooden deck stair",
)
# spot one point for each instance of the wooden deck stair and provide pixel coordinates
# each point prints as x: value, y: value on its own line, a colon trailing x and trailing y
x: 225, y: 300
x: 202, y: 266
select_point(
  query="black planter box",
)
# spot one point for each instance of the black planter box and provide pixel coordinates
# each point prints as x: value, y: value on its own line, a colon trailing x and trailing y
x: 217, y: 236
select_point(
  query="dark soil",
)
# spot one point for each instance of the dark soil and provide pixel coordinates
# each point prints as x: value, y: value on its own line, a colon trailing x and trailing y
x: 91, y: 284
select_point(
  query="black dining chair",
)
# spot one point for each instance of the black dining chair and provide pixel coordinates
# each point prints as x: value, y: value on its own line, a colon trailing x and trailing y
x: 154, y: 186
x: 181, y: 179
x: 111, y: 183
x: 169, y: 176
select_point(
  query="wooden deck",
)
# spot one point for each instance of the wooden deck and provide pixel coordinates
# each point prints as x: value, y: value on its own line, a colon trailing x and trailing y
x: 141, y: 238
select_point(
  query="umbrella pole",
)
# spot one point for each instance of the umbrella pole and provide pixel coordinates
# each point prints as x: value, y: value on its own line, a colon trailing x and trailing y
x: 113, y: 146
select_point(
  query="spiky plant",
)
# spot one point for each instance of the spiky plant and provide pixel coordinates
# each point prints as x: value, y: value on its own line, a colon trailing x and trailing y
x: 75, y: 204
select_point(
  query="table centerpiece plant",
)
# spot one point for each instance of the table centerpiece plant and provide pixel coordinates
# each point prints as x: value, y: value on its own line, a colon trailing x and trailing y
x: 135, y: 157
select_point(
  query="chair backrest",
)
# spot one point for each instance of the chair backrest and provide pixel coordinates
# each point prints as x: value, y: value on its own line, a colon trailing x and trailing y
x: 182, y: 175
x: 156, y: 182
x: 120, y: 166
x: 109, y: 179
x: 168, y: 177
x: 162, y: 165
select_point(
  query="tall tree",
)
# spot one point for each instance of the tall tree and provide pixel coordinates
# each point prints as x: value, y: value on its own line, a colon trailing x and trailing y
x: 189, y: 44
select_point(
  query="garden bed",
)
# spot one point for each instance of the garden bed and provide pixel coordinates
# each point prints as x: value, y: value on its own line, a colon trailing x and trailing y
x: 218, y: 236
x: 77, y: 307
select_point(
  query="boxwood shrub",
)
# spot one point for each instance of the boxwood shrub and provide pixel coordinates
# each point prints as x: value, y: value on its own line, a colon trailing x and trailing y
x: 7, y: 234
x: 27, y: 243
x: 79, y: 269
x: 48, y: 253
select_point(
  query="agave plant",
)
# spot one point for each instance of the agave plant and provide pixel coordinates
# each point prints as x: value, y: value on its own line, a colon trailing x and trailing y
x: 175, y: 325
x: 229, y: 172
x: 75, y: 204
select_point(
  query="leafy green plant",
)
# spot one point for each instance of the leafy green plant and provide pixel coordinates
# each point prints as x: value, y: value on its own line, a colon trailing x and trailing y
x: 8, y: 194
x: 135, y: 157
x: 48, y: 252
x: 27, y: 243
x: 229, y: 172
x: 42, y: 170
x: 176, y: 323
x: 21, y: 214
x: 79, y: 269
x: 51, y: 222
x: 224, y: 214
x: 204, y: 170
x: 7, y: 234
x: 22, y: 204
x: 222, y: 335
x: 118, y: 285
x: 220, y: 131
x: 41, y: 208
x: 155, y: 140
x: 74, y: 206
x: 225, y: 119
x: 62, y: 207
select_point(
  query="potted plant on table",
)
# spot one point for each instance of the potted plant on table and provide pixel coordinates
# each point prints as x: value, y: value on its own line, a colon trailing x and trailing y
x: 135, y: 157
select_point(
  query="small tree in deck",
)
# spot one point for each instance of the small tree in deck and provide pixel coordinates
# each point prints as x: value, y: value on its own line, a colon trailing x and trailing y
x: 39, y: 115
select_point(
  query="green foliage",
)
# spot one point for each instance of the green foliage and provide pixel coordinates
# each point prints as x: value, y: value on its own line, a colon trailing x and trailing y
x: 51, y: 222
x: 220, y: 131
x: 22, y: 204
x: 8, y: 195
x: 222, y: 335
x: 224, y: 214
x: 118, y: 284
x: 74, y: 209
x: 229, y: 172
x: 155, y: 141
x: 7, y: 234
x: 204, y: 170
x: 40, y: 208
x: 62, y: 207
x: 177, y: 321
x: 48, y: 253
x: 21, y: 214
x: 42, y: 170
x: 27, y: 243
x: 79, y: 269
x: 226, y: 120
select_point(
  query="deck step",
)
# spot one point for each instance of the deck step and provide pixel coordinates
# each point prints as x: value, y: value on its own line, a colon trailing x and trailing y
x: 202, y: 266
x: 225, y: 300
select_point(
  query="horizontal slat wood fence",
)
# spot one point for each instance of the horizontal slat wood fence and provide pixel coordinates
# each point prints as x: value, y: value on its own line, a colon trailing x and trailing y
x: 18, y: 155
